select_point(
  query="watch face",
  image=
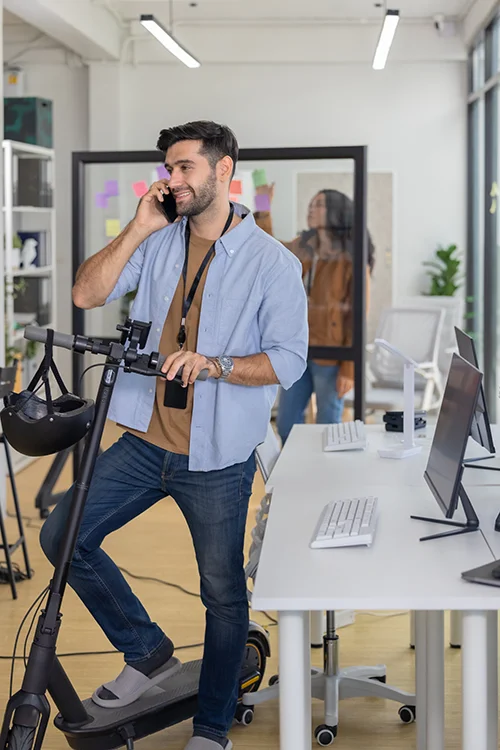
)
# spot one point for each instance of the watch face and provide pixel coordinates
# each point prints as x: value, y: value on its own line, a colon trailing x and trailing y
x: 227, y: 366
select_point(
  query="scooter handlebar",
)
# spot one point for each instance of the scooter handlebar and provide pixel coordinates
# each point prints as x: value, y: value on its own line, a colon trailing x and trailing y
x: 34, y: 333
x: 67, y: 341
x: 161, y: 359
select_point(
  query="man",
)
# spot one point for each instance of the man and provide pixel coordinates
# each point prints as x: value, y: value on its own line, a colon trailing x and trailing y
x: 223, y: 296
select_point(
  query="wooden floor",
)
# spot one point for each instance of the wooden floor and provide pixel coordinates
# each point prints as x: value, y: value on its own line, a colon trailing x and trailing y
x: 158, y: 544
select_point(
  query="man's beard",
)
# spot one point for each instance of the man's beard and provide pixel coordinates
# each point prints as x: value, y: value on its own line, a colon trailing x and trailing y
x: 204, y: 197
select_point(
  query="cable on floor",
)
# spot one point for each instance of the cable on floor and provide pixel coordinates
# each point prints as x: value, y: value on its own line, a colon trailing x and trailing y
x: 19, y: 575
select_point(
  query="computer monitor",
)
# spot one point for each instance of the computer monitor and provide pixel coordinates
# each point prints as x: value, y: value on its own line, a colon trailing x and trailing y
x: 480, y: 428
x: 443, y: 473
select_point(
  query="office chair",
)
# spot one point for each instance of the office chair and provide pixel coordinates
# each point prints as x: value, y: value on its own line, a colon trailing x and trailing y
x: 454, y: 309
x: 416, y: 331
x: 331, y: 683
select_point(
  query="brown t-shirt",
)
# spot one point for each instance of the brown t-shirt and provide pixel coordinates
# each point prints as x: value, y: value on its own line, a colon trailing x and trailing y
x: 169, y: 428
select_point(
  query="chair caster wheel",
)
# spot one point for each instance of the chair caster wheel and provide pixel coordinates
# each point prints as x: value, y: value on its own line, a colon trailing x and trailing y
x: 380, y: 678
x: 325, y: 735
x: 407, y: 714
x: 244, y: 715
x: 274, y: 680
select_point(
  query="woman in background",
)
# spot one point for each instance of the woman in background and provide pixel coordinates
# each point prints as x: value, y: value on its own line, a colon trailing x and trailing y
x: 326, y: 253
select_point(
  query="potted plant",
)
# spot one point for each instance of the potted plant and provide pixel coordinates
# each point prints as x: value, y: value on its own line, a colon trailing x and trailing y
x: 445, y: 273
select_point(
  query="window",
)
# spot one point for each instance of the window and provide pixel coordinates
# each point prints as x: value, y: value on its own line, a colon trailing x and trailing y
x: 483, y: 246
x: 477, y: 66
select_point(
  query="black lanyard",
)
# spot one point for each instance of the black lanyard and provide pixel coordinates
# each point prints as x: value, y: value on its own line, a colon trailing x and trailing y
x: 188, y: 301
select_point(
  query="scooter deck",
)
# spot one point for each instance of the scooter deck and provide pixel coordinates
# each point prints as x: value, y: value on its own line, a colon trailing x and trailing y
x: 155, y: 710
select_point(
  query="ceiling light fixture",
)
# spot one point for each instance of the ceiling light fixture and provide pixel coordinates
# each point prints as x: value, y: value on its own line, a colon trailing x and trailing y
x: 164, y: 37
x: 389, y: 26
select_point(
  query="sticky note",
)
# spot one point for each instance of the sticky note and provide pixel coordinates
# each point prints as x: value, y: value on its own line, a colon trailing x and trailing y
x: 162, y: 172
x: 236, y: 187
x: 140, y: 188
x: 111, y: 188
x: 112, y: 227
x: 101, y: 200
x: 262, y: 203
x: 259, y: 177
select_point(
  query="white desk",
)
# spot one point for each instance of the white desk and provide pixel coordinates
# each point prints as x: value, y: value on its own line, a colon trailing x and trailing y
x: 397, y: 572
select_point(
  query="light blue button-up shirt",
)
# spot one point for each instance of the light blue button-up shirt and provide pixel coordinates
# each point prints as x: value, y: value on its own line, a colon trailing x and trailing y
x: 253, y: 301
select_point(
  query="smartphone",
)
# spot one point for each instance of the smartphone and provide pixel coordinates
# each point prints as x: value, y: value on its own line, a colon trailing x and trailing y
x: 175, y: 396
x: 168, y: 206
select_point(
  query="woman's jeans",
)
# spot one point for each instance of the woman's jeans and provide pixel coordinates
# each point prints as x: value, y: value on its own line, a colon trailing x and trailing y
x: 129, y: 478
x: 318, y: 379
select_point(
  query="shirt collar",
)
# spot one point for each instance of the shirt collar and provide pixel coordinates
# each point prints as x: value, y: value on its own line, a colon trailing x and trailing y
x: 233, y: 240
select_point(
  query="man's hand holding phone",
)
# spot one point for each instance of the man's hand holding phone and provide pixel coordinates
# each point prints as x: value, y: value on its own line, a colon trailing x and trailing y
x: 154, y: 207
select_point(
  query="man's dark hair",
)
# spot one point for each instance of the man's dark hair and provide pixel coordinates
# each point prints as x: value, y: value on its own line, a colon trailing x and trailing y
x: 217, y: 140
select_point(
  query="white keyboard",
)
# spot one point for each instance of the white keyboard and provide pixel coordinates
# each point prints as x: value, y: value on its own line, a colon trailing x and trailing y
x: 346, y: 523
x: 346, y: 436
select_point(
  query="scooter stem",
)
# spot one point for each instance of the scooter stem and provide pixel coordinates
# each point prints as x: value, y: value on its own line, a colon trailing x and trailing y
x: 29, y: 707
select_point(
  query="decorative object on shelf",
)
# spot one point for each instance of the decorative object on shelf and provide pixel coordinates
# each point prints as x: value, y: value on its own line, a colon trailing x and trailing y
x: 28, y: 119
x: 445, y: 276
x: 33, y: 249
x: 28, y: 253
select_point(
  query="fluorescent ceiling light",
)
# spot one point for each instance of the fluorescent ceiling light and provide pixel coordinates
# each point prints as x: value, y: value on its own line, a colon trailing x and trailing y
x: 391, y: 21
x: 151, y: 24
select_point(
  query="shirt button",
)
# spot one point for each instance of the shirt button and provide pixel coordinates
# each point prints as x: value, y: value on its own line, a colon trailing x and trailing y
x: 231, y: 252
x: 177, y: 265
x: 157, y: 330
x: 151, y: 390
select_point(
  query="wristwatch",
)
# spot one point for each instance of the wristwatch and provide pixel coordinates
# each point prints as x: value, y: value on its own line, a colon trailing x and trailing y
x: 226, y: 366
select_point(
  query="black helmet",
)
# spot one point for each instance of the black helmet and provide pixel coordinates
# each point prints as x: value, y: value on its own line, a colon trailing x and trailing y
x: 35, y: 427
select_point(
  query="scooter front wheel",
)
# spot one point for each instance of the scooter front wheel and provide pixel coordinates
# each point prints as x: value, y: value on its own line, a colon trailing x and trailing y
x: 21, y: 738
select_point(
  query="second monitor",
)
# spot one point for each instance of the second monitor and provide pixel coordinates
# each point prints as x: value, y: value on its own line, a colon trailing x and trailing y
x: 480, y: 428
x: 443, y: 473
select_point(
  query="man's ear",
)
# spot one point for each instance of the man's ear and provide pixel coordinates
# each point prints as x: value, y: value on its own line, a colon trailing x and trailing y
x: 225, y: 169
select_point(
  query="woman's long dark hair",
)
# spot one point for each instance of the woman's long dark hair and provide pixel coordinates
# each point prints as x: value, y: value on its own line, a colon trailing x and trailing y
x: 339, y: 222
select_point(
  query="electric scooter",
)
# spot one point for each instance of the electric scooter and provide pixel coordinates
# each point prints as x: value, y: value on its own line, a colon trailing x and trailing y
x: 86, y: 725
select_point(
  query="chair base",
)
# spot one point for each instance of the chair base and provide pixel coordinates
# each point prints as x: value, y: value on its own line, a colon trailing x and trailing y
x: 351, y: 682
x: 332, y: 685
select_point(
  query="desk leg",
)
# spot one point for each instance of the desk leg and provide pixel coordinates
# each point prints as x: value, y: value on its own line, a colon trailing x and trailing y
x: 435, y: 680
x: 421, y: 677
x: 295, y: 681
x: 475, y: 673
x: 492, y: 685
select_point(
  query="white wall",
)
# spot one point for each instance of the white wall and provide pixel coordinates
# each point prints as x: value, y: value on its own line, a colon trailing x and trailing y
x: 412, y: 117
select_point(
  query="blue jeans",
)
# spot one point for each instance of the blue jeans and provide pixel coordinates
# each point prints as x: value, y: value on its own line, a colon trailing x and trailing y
x: 318, y: 379
x: 129, y: 478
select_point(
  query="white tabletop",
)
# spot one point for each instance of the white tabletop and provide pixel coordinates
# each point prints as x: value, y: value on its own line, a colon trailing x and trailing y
x: 398, y: 571
x: 304, y: 458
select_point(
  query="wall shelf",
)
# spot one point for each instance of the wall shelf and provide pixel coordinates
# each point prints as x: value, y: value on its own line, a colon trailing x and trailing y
x: 28, y: 295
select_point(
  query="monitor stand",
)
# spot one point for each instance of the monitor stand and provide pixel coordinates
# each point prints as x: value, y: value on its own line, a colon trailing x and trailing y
x: 472, y: 463
x: 471, y: 524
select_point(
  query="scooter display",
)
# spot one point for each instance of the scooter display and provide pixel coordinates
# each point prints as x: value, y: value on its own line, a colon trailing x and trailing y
x: 86, y: 725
